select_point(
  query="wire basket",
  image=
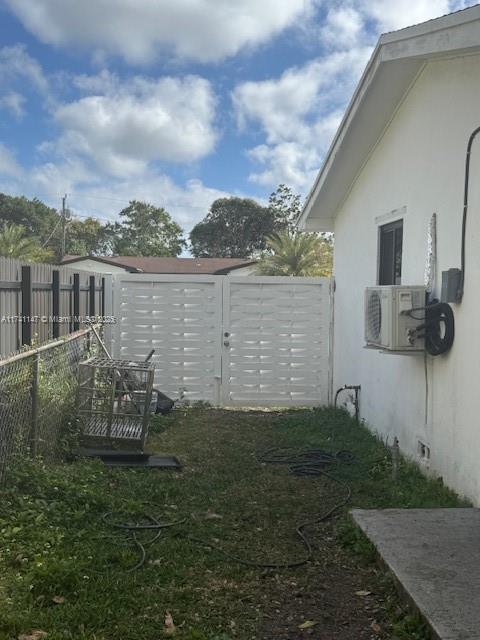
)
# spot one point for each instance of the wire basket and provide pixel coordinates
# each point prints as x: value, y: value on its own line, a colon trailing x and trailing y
x: 114, y: 401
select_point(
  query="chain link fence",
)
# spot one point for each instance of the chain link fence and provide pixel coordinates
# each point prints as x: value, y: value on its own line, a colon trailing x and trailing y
x: 37, y: 398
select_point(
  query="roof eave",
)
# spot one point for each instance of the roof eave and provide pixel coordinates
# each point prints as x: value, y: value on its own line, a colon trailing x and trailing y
x: 243, y: 265
x: 406, y: 51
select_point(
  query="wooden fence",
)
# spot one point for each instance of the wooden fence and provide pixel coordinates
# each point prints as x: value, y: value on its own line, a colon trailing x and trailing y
x: 39, y: 302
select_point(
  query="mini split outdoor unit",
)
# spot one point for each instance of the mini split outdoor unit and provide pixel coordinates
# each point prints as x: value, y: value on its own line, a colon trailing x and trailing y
x: 392, y: 316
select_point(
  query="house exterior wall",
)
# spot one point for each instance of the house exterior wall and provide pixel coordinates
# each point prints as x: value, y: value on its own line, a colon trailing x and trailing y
x: 417, y: 169
x: 95, y: 265
x: 101, y: 267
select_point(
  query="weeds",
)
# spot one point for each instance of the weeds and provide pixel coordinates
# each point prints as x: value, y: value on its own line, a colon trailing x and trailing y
x: 64, y: 571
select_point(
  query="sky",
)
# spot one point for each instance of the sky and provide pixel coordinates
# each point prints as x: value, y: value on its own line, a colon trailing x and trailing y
x: 179, y: 102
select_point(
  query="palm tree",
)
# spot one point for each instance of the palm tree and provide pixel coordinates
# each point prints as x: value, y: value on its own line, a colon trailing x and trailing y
x: 15, y: 243
x: 296, y: 254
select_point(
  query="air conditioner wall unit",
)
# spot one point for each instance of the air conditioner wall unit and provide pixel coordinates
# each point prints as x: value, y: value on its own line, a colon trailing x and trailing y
x: 392, y: 316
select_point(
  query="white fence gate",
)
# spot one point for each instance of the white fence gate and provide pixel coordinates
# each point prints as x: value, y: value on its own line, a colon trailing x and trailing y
x: 231, y: 341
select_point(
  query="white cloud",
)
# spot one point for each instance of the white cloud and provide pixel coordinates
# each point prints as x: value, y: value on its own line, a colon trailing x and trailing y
x: 282, y: 105
x: 141, y: 30
x: 287, y: 162
x: 350, y: 23
x: 91, y: 193
x: 8, y: 165
x: 187, y: 203
x: 110, y: 140
x: 17, y: 64
x: 13, y: 103
x: 343, y: 27
x: 127, y: 125
x: 298, y: 113
x: 390, y: 16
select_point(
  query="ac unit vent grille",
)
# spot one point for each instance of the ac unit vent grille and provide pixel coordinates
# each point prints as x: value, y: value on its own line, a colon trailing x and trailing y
x: 374, y: 316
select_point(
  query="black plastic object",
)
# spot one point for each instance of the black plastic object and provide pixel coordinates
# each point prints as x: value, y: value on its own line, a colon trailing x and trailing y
x: 440, y: 328
x: 150, y: 461
x: 130, y: 458
x: 164, y: 403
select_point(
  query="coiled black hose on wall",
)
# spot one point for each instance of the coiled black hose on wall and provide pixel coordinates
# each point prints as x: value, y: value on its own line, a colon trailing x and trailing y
x: 439, y: 328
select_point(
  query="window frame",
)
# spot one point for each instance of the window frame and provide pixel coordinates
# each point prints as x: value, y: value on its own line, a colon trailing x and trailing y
x: 394, y: 226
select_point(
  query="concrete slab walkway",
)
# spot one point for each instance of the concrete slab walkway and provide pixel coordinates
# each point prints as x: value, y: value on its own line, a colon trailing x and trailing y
x: 435, y: 555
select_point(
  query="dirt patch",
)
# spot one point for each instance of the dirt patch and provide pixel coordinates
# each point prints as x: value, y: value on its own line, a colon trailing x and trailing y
x: 336, y: 598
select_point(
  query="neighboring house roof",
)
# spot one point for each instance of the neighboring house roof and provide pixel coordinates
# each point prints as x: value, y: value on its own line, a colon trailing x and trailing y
x: 134, y: 264
x: 396, y: 62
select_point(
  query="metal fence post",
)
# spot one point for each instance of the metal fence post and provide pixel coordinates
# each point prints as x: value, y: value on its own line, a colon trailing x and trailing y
x: 102, y: 306
x: 35, y: 400
x: 76, y: 301
x: 92, y: 285
x: 26, y: 288
x: 56, y: 302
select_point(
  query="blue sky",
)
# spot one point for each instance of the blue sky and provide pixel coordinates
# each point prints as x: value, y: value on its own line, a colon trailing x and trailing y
x: 179, y: 102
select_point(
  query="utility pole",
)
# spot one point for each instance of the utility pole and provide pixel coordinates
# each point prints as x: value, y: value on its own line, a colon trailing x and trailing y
x: 64, y: 225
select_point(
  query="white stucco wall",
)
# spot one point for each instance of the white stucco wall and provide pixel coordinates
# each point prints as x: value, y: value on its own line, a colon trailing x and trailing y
x: 101, y: 267
x: 419, y: 165
x: 94, y: 265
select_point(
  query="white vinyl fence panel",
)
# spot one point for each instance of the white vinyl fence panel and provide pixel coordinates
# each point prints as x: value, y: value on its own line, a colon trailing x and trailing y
x: 181, y: 319
x: 277, y: 351
x: 230, y: 341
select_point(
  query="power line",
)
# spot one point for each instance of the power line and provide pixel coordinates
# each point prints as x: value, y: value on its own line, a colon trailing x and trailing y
x: 84, y: 195
x: 92, y: 197
x: 170, y: 204
x: 51, y: 235
x: 94, y: 216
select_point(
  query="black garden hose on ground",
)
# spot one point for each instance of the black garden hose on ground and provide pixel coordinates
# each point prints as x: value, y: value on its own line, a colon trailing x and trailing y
x: 312, y: 462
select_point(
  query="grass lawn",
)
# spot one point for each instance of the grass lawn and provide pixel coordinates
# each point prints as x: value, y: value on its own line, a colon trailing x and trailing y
x: 64, y: 570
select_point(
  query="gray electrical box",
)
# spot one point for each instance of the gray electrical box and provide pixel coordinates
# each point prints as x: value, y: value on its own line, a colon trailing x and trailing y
x: 450, y: 285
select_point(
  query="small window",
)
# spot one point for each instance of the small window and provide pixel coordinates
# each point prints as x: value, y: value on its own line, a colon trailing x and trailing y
x: 391, y: 241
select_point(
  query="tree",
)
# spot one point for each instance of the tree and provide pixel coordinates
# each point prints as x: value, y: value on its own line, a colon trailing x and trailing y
x: 233, y: 228
x: 324, y: 251
x: 296, y: 254
x: 44, y: 223
x: 286, y: 207
x: 36, y: 218
x: 88, y: 237
x: 146, y: 230
x: 16, y: 243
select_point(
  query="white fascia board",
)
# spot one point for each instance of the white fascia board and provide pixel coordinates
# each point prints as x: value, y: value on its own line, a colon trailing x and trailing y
x: 316, y: 224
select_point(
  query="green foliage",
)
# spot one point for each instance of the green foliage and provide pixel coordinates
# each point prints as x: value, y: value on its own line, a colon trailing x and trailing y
x: 410, y: 627
x: 56, y: 396
x: 146, y: 230
x: 88, y: 237
x: 286, y: 207
x: 296, y: 254
x: 350, y: 537
x: 239, y: 227
x: 15, y: 243
x: 55, y: 542
x: 42, y: 224
x: 233, y: 228
x: 36, y: 217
